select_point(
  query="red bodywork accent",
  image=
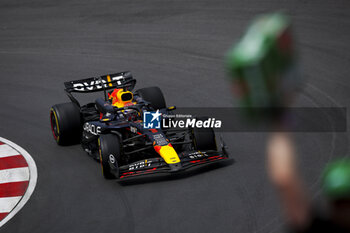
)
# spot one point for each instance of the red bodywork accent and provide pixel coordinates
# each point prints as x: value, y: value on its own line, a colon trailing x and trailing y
x: 216, y: 157
x: 152, y: 169
x: 157, y: 148
x: 195, y: 161
x: 153, y: 130
x: 126, y: 174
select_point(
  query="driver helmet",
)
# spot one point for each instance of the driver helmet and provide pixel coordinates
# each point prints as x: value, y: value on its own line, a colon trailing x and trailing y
x: 121, y: 98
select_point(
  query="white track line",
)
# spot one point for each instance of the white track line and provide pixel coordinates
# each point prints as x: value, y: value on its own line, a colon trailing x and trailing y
x: 8, y: 203
x: 6, y: 151
x: 33, y: 176
x: 14, y: 175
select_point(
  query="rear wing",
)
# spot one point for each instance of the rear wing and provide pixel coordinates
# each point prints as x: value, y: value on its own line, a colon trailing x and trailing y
x: 102, y: 83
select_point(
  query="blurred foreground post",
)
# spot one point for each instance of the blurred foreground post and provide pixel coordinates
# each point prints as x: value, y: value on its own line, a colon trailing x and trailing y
x: 301, y: 217
x: 262, y: 69
x: 262, y: 65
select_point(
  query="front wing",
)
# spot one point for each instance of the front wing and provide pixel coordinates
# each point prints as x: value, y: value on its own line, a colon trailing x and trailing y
x: 158, y: 165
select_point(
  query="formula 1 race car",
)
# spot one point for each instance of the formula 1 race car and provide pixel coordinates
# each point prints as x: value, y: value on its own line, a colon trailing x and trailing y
x: 112, y: 129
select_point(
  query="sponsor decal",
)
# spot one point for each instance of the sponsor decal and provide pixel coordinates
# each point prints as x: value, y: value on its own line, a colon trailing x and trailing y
x: 151, y: 120
x: 95, y: 84
x: 133, y: 129
x: 160, y: 139
x: 112, y: 158
x: 140, y: 164
x: 197, y: 155
x: 93, y: 129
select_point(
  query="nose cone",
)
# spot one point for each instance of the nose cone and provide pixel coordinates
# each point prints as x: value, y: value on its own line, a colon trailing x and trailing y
x: 168, y: 153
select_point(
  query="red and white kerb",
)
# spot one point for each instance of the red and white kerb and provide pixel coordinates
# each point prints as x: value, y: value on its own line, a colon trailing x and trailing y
x: 18, y: 176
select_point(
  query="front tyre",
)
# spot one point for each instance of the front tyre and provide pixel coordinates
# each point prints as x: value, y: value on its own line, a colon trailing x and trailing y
x: 66, y: 124
x: 110, y: 153
x: 204, y: 139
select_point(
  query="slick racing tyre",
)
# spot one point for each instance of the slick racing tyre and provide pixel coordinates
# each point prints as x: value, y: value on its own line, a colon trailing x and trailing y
x: 110, y: 153
x: 153, y: 95
x: 66, y: 124
x: 204, y: 139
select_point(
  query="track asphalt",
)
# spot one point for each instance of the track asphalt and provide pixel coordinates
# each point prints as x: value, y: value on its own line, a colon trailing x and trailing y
x: 179, y: 46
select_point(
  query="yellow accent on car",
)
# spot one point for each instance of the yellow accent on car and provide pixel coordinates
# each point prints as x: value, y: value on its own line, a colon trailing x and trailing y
x: 58, y: 128
x: 109, y: 81
x: 121, y: 93
x: 169, y: 154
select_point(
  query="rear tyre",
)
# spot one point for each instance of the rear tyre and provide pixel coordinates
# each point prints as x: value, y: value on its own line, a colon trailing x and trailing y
x: 204, y: 139
x: 153, y: 95
x: 66, y: 124
x: 110, y: 154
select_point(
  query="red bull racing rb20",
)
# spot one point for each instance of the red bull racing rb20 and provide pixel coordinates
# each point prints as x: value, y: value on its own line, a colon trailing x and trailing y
x: 123, y: 130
